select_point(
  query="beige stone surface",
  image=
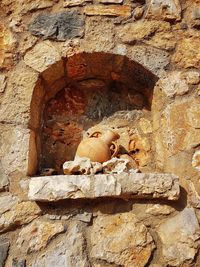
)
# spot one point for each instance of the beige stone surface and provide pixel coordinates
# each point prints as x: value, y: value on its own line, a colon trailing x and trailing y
x: 7, y: 46
x: 111, y: 1
x: 3, y: 82
x: 159, y: 209
x: 94, y: 39
x: 187, y: 55
x: 69, y: 252
x: 174, y: 84
x: 124, y: 185
x: 14, y: 155
x: 179, y: 236
x: 145, y: 125
x: 121, y: 239
x: 70, y: 3
x: 37, y: 235
x: 191, y: 76
x: 150, y: 57
x: 141, y: 30
x: 19, y: 214
x: 98, y: 10
x: 22, y: 7
x: 43, y: 55
x: 7, y: 202
x: 179, y: 126
x: 15, y: 108
x: 164, y: 9
x: 196, y: 160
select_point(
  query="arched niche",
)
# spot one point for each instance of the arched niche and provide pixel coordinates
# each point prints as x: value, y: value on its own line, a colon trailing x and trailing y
x: 84, y: 93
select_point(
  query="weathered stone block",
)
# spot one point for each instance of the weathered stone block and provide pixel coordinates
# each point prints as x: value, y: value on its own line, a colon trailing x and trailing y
x: 115, y: 11
x: 2, y: 83
x: 7, y: 45
x: 164, y: 9
x: 69, y: 252
x: 152, y: 58
x: 19, y: 214
x: 70, y: 3
x: 174, y: 84
x: 187, y: 55
x: 37, y: 235
x: 124, y: 185
x: 121, y: 239
x: 42, y: 56
x: 4, y: 246
x: 60, y: 26
x: 111, y: 1
x: 196, y: 160
x: 179, y: 236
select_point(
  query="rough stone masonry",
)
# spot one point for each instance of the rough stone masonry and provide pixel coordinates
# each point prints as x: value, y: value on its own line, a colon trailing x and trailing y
x: 67, y: 66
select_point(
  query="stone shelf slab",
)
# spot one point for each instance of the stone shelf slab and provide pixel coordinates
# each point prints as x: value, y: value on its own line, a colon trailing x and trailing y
x: 124, y: 185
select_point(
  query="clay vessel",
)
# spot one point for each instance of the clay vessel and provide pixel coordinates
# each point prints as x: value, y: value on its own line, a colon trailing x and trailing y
x: 100, y: 148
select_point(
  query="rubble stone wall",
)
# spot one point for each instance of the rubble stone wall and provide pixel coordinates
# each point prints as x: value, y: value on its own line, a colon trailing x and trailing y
x: 148, y: 50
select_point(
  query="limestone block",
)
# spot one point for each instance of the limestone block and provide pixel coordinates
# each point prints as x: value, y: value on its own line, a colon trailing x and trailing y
x: 138, y: 12
x: 81, y: 166
x: 159, y: 209
x: 191, y: 76
x: 3, y: 178
x: 70, y: 3
x: 69, y: 252
x: 121, y: 239
x: 152, y: 58
x: 111, y: 1
x: 7, y: 45
x: 94, y: 40
x: 15, y: 106
x: 141, y: 30
x: 19, y: 214
x: 179, y: 236
x: 196, y: 160
x: 115, y: 11
x: 194, y: 15
x: 4, y: 247
x: 37, y: 235
x: 7, y: 202
x: 43, y: 55
x: 187, y: 55
x: 3, y: 83
x: 14, y: 149
x: 25, y: 6
x: 58, y: 26
x: 174, y: 84
x: 164, y: 9
x: 180, y: 126
x: 194, y: 198
x: 124, y: 185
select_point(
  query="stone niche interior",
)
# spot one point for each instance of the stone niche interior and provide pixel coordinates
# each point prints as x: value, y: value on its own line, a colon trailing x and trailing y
x: 85, y: 93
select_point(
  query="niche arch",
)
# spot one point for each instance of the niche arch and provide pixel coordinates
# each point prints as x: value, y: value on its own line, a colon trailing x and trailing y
x: 83, y: 93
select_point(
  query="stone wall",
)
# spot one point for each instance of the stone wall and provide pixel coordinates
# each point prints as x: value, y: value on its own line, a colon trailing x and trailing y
x: 150, y: 50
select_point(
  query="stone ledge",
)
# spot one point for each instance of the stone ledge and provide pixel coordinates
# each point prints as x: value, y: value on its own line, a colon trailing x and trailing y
x: 124, y: 185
